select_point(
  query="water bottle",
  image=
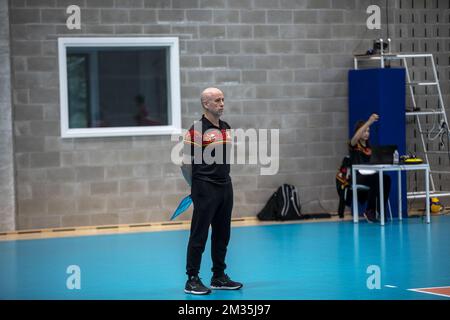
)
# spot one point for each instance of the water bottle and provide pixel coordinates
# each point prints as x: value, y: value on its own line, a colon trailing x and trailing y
x: 396, y: 157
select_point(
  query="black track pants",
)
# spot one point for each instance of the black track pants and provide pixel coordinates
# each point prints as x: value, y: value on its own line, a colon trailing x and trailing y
x: 213, y: 204
x: 373, y: 183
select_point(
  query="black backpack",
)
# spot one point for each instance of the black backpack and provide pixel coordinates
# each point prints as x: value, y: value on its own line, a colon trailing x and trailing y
x: 283, y: 205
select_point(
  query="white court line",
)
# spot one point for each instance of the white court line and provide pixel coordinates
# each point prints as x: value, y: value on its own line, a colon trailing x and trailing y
x: 389, y: 286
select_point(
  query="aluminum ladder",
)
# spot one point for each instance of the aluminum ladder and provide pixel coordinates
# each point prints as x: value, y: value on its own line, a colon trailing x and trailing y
x: 417, y: 112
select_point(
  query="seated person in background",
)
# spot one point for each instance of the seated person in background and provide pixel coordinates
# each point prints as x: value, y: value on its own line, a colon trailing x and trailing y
x: 141, y: 117
x: 360, y: 153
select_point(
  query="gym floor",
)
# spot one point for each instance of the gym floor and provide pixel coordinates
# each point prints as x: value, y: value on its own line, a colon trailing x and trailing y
x: 324, y: 260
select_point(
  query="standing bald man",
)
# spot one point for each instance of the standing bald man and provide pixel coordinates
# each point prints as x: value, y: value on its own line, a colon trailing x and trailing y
x: 211, y: 191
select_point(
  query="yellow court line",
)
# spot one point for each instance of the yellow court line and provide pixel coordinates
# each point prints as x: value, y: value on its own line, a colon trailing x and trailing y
x: 136, y: 228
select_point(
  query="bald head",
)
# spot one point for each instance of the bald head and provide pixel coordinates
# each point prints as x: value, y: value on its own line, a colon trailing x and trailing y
x: 208, y: 94
x: 213, y: 102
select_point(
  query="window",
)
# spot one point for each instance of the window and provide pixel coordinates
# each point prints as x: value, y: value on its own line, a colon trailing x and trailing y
x: 119, y: 86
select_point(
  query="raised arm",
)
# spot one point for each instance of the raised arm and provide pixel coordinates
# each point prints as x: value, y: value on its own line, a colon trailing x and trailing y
x: 359, y: 133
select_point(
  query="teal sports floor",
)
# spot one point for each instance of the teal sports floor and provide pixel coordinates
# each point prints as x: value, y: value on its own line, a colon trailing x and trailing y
x: 324, y: 260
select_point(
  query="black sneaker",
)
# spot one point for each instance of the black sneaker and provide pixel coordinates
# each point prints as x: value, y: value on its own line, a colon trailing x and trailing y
x: 225, y: 283
x: 195, y: 286
x: 370, y: 216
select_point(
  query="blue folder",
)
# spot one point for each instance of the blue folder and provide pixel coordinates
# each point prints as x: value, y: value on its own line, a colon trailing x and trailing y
x: 182, y: 207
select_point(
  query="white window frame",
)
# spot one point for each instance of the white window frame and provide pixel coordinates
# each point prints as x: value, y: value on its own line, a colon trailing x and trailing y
x: 174, y: 126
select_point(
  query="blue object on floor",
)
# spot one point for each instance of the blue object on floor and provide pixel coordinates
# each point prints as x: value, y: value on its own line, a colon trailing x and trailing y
x: 318, y: 260
x: 182, y: 207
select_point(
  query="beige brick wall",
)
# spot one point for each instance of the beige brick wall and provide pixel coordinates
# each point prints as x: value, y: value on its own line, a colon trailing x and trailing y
x: 425, y: 27
x: 7, y: 184
x: 281, y: 63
